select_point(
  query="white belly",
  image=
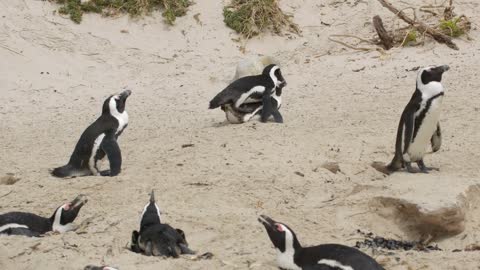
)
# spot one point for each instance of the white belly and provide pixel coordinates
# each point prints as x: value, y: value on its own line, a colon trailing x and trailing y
x: 418, y: 147
x: 96, y: 145
x: 12, y: 225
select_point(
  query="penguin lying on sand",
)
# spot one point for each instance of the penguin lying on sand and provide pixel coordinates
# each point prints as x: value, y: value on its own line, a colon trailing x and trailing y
x: 93, y: 267
x: 156, y: 238
x: 419, y: 124
x: 235, y: 116
x: 253, y: 89
x: 99, y: 140
x: 292, y: 256
x: 20, y: 223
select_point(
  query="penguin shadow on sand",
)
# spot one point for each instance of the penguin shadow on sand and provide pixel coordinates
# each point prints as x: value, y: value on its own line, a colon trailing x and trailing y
x: 99, y: 140
x: 254, y: 93
x: 419, y: 124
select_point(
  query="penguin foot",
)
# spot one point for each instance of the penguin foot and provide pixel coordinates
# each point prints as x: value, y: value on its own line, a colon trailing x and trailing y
x: 425, y: 169
x: 105, y: 173
x: 408, y: 165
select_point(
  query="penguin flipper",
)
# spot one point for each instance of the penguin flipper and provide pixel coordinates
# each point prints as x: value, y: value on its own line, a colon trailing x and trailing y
x: 111, y: 148
x: 134, y: 245
x: 276, y: 113
x: 267, y: 109
x: 436, y: 139
x: 22, y: 231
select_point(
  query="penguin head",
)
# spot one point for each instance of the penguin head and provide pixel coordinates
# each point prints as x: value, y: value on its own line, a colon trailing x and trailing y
x: 273, y: 72
x: 66, y: 214
x: 282, y: 237
x: 115, y: 104
x: 431, y: 74
x: 151, y: 214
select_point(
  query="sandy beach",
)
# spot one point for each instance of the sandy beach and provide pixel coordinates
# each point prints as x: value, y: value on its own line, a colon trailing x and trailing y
x: 340, y: 106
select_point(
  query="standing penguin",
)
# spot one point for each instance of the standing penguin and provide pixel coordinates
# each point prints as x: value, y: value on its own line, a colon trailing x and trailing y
x: 156, y: 238
x: 292, y: 256
x: 28, y: 224
x: 253, y: 89
x: 419, y: 124
x: 98, y: 140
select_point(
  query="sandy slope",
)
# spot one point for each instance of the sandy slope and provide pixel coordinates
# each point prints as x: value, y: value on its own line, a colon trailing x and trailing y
x: 331, y: 114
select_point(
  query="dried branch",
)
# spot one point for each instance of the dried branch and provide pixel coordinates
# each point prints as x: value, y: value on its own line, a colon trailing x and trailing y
x: 420, y: 26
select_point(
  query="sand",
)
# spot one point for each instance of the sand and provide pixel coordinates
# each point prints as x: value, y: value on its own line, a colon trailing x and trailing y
x: 59, y: 73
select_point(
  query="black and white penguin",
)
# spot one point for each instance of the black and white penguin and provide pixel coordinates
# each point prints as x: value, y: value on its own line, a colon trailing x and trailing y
x: 28, y: 224
x: 252, y: 89
x: 156, y: 238
x: 98, y: 140
x: 419, y: 124
x: 292, y: 256
x: 235, y: 116
x: 93, y: 267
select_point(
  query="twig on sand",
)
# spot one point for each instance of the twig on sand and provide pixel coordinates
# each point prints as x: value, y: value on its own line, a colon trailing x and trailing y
x: 385, y: 38
x: 8, y: 49
x: 381, y: 50
x: 422, y: 27
x: 6, y: 194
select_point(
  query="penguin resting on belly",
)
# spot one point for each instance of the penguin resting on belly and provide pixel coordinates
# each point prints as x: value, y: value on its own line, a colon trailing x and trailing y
x: 292, y: 256
x: 156, y: 238
x: 99, y: 140
x: 32, y: 225
x: 252, y: 89
x: 419, y: 124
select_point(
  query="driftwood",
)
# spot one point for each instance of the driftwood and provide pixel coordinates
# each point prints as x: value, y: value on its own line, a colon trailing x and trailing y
x: 385, y: 38
x: 420, y: 26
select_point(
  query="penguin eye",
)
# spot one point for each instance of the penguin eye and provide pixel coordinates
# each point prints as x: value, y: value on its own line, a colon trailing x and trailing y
x: 66, y: 207
x: 279, y: 228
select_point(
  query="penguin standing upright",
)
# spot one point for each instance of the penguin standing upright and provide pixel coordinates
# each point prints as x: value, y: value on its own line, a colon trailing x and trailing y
x: 292, y: 256
x: 98, y: 140
x: 28, y: 224
x: 156, y: 238
x: 253, y: 89
x: 419, y: 123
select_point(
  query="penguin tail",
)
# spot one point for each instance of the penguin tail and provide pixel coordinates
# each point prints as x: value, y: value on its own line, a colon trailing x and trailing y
x: 67, y: 171
x: 219, y: 100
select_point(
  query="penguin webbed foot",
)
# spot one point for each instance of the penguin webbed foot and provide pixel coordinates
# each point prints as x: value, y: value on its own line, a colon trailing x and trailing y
x: 185, y: 249
x: 105, y: 173
x: 409, y: 167
x: 425, y: 169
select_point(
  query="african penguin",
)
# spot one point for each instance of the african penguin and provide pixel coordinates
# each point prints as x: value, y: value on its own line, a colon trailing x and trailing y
x: 20, y: 223
x: 98, y: 140
x: 292, y: 256
x: 419, y: 124
x: 235, y: 116
x: 252, y: 89
x: 156, y: 238
x: 93, y: 267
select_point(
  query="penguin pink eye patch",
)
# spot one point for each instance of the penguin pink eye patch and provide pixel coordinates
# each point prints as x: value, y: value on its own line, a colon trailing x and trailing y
x: 67, y: 206
x: 279, y: 227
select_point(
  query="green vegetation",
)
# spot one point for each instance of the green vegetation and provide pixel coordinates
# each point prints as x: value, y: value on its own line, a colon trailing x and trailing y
x: 453, y: 27
x: 251, y: 17
x: 411, y: 37
x: 171, y: 8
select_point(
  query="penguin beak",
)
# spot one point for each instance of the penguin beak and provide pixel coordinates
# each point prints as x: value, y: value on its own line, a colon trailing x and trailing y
x: 266, y: 221
x: 125, y: 94
x: 78, y: 202
x: 444, y: 68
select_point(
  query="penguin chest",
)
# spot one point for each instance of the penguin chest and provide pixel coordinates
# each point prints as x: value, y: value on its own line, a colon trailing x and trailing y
x: 426, y: 121
x: 122, y: 119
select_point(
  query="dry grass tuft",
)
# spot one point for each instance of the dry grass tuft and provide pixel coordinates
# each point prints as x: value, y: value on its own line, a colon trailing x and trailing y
x: 252, y: 17
x: 171, y: 8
